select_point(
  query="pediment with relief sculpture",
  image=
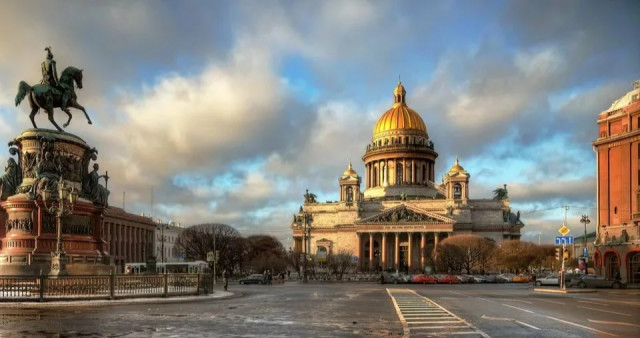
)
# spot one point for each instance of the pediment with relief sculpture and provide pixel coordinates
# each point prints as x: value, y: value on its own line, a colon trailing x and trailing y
x: 402, y: 214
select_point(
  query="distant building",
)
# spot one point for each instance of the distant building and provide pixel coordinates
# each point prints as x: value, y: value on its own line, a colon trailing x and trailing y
x: 578, y: 245
x: 402, y: 214
x: 618, y: 188
x: 166, y: 235
x: 129, y: 237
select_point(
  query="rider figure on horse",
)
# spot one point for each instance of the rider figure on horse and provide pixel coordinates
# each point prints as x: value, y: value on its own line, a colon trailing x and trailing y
x: 50, y: 77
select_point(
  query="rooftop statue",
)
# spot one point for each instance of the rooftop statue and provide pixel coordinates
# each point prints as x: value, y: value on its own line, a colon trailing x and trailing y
x: 501, y: 193
x: 53, y: 92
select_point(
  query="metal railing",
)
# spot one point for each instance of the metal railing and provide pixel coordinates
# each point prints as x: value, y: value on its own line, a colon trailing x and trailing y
x: 44, y: 288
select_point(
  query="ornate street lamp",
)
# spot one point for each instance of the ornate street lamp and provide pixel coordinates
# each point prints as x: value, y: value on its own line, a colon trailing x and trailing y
x: 60, y: 206
x: 585, y: 220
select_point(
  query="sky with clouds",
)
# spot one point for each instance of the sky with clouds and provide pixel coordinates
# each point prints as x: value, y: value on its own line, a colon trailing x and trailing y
x: 228, y: 111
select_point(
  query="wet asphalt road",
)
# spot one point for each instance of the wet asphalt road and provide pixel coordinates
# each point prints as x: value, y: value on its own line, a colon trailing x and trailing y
x: 340, y: 310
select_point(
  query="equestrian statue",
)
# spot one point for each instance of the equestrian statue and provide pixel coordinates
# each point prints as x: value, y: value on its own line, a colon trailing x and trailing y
x: 53, y: 92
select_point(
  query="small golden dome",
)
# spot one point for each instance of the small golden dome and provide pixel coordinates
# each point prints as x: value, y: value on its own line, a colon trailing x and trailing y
x: 350, y: 171
x: 456, y: 167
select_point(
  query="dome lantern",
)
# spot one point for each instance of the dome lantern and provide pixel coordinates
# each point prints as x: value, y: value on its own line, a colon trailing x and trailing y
x: 399, y: 94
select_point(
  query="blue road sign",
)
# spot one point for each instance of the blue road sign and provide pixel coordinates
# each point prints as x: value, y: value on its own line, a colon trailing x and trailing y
x: 585, y: 252
x: 564, y: 240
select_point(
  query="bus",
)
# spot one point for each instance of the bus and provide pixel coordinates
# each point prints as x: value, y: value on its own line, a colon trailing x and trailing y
x: 169, y: 267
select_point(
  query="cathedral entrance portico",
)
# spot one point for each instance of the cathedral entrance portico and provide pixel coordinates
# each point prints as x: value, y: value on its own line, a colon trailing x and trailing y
x: 396, y: 250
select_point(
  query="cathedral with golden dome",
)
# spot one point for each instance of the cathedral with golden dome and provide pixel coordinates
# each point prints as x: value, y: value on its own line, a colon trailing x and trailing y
x: 402, y: 214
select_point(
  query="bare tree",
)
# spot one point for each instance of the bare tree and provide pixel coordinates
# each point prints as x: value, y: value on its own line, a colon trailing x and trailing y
x: 514, y: 255
x: 449, y: 257
x: 472, y: 253
x: 265, y: 252
x: 197, y: 240
x: 341, y: 262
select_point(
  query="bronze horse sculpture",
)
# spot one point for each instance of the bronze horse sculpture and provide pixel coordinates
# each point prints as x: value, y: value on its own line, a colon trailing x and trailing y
x: 47, y: 97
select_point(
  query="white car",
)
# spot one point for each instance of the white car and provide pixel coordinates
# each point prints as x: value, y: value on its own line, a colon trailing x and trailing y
x: 548, y: 280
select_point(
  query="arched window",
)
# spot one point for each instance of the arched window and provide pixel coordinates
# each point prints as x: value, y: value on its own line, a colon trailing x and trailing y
x: 399, y: 171
x: 634, y: 268
x: 349, y: 194
x: 457, y: 191
x: 613, y: 268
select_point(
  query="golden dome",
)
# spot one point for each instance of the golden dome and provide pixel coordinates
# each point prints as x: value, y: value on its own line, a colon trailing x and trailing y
x: 350, y: 172
x: 400, y: 116
x: 456, y: 168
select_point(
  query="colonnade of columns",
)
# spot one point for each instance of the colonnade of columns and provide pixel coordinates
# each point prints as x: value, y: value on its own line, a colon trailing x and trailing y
x: 401, y: 254
x: 126, y: 242
x: 414, y: 171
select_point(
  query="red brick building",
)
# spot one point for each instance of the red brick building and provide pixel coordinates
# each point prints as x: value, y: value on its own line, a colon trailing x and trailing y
x: 618, y: 189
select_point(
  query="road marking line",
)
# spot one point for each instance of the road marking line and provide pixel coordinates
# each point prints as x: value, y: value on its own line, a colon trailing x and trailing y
x: 615, y: 313
x: 612, y: 323
x: 582, y: 326
x: 405, y: 326
x: 488, y: 300
x: 428, y: 313
x: 552, y: 301
x: 439, y: 322
x: 516, y: 300
x: 511, y: 320
x: 439, y: 327
x: 525, y: 310
x: 446, y: 333
x: 588, y: 302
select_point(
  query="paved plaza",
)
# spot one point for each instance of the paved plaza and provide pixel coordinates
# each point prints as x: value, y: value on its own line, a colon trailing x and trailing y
x: 346, y: 310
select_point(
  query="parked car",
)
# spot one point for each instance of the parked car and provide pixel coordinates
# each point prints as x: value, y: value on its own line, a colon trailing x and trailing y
x: 490, y: 278
x: 423, y: 279
x: 478, y: 279
x: 568, y: 277
x: 595, y: 281
x: 521, y: 279
x: 256, y: 278
x: 504, y: 278
x: 447, y: 279
x: 548, y: 280
x: 464, y: 278
x: 394, y: 278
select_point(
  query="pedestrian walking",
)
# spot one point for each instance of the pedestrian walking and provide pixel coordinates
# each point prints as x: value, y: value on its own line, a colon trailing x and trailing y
x: 225, y: 279
x: 269, y: 277
x: 289, y: 274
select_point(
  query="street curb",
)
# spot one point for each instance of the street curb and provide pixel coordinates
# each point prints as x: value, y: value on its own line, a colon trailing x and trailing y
x: 116, y: 302
x: 566, y: 291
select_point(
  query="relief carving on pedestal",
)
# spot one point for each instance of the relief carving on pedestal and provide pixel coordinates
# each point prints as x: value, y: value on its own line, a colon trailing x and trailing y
x: 20, y: 224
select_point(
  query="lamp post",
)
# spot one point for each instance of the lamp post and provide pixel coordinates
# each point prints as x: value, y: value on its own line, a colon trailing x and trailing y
x: 585, y: 220
x: 161, y: 240
x: 60, y: 206
x: 306, y: 241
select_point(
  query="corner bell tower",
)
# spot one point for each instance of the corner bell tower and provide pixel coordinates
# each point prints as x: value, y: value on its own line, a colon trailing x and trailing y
x: 349, y: 186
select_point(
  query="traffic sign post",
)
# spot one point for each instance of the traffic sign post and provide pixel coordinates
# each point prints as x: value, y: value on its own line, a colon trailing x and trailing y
x: 564, y: 240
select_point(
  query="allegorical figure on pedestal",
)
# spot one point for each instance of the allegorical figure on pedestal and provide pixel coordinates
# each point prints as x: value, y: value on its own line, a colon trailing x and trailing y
x: 92, y: 189
x: 47, y: 173
x: 53, y: 92
x: 10, y: 180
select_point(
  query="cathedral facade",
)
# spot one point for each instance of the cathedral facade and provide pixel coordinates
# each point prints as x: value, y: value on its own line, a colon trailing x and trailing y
x: 402, y: 214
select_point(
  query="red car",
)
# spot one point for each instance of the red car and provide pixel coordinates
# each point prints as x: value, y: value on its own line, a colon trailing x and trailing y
x: 423, y: 279
x: 448, y: 279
